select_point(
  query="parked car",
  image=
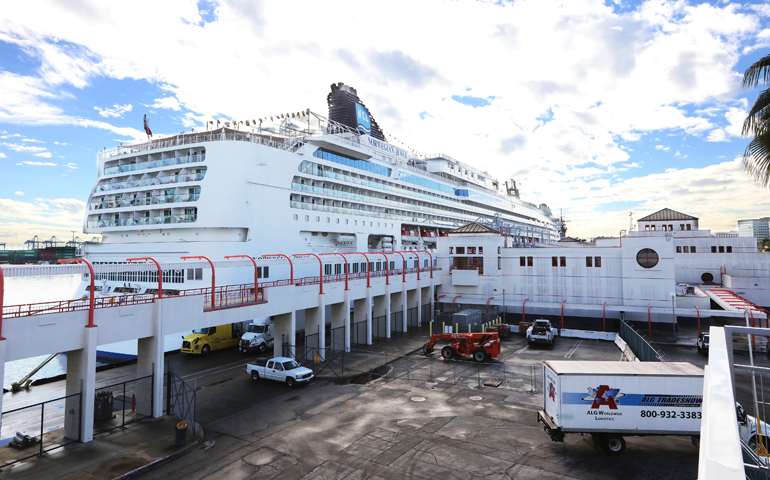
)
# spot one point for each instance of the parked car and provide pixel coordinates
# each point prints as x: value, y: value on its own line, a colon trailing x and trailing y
x: 703, y: 343
x: 280, y: 369
x: 540, y: 332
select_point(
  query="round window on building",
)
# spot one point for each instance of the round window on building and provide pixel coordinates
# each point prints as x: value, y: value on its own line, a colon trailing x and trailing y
x: 647, y: 258
x: 707, y: 277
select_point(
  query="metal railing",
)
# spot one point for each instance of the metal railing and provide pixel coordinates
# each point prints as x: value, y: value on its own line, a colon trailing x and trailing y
x: 47, y: 425
x: 162, y: 199
x: 644, y: 348
x: 130, y: 222
x: 122, y: 404
x: 181, y: 399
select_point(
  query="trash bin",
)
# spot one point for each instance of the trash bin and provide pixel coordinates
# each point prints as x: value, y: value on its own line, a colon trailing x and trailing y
x: 523, y: 326
x: 103, y: 405
x: 180, y: 439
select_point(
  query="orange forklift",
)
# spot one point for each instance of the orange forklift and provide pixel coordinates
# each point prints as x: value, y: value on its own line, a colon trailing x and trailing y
x: 482, y: 346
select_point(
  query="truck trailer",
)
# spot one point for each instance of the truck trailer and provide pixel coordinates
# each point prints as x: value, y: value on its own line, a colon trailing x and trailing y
x: 612, y: 400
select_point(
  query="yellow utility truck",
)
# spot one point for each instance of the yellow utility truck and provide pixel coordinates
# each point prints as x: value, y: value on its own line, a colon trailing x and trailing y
x: 205, y: 340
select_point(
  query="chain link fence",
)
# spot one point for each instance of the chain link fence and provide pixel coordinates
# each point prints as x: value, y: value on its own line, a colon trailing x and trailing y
x: 33, y: 430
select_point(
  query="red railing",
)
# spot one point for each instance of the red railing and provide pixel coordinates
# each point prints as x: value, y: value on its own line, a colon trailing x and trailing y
x: 224, y: 295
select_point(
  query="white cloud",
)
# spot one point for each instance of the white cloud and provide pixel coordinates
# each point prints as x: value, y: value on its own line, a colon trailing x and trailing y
x: 42, y: 164
x: 64, y: 144
x: 2, y: 155
x: 661, y: 147
x: 29, y: 149
x: 677, y: 154
x: 19, y: 193
x: 166, y: 102
x: 116, y: 111
x: 32, y: 140
x: 717, y: 135
x: 71, y: 166
x: 43, y: 154
x: 23, y: 219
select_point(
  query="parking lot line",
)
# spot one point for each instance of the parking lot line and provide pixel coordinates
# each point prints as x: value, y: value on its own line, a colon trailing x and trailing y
x: 573, y: 349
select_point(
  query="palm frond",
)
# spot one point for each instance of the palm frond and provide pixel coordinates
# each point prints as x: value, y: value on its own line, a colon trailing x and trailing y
x: 759, y: 114
x: 758, y: 70
x: 756, y: 158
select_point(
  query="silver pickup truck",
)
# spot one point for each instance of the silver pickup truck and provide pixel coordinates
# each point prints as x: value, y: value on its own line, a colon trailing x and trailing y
x: 280, y: 369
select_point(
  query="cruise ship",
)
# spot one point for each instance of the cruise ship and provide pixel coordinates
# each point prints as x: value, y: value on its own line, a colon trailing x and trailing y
x: 289, y: 185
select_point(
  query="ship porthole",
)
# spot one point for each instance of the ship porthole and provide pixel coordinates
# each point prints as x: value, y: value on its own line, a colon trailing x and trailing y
x: 707, y: 277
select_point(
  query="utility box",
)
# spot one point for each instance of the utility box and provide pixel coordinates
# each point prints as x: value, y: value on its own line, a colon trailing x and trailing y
x: 470, y: 317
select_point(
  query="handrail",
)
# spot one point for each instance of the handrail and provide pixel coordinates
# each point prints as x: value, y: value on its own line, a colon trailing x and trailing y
x: 256, y: 276
x: 213, y: 274
x: 160, y: 272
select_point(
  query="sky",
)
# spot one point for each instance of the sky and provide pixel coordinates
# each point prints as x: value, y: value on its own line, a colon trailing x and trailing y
x: 598, y: 109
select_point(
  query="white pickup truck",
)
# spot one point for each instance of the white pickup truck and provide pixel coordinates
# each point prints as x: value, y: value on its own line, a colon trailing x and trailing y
x: 540, y: 332
x: 280, y: 369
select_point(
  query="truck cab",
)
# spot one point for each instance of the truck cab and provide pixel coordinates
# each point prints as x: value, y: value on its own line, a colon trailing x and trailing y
x: 208, y: 339
x: 258, y: 336
x: 747, y: 429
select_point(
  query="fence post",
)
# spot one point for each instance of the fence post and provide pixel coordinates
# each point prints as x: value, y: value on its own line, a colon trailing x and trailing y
x: 42, y: 422
x: 123, y: 425
x: 478, y: 374
x: 168, y: 392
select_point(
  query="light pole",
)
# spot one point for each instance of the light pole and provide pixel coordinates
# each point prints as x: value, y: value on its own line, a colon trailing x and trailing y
x: 504, y: 309
x: 673, y: 310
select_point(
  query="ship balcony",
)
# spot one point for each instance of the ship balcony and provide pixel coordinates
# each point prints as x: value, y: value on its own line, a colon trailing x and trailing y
x: 132, y: 167
x: 148, y: 182
x: 139, y: 202
x: 142, y: 221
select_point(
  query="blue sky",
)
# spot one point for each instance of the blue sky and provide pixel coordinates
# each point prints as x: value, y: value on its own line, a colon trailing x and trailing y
x: 597, y: 108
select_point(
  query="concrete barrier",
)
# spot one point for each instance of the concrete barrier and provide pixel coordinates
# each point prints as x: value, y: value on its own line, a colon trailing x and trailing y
x: 588, y: 334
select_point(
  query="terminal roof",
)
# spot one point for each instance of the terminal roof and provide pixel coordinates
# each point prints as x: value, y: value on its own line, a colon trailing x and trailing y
x: 666, y: 214
x: 579, y: 367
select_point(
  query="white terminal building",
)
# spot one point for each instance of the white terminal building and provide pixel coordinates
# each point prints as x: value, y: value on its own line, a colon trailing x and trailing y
x: 666, y: 271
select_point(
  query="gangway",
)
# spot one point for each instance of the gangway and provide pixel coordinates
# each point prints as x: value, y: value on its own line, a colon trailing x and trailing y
x: 731, y: 301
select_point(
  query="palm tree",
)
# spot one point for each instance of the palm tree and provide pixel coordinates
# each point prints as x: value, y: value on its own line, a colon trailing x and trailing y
x: 756, y: 158
x: 764, y: 245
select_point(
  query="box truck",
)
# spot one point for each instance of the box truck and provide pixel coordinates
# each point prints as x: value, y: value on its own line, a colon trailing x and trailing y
x: 612, y: 400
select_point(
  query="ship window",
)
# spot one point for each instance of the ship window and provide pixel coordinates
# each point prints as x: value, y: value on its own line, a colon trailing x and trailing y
x: 522, y: 261
x: 729, y: 249
x: 451, y: 250
x: 327, y: 269
x: 471, y: 250
x: 686, y: 249
x: 354, y: 268
x: 346, y: 221
x: 499, y: 250
x: 678, y: 249
x: 597, y: 262
x: 692, y: 249
x: 461, y: 250
x: 328, y: 220
x: 647, y: 257
x: 355, y: 222
x: 296, y: 217
x: 713, y: 249
x: 589, y: 262
x: 338, y: 220
x: 721, y: 249
x: 337, y: 269
x: 554, y: 261
x: 529, y: 261
x: 371, y: 267
x: 392, y: 265
x: 194, y: 274
x: 563, y: 261
x: 499, y: 263
x: 317, y: 219
x: 481, y: 249
x: 307, y: 218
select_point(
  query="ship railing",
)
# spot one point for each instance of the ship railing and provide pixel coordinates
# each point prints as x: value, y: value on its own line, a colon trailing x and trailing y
x: 148, y: 182
x: 132, y: 167
x: 195, y: 138
x: 139, y: 221
x: 144, y: 201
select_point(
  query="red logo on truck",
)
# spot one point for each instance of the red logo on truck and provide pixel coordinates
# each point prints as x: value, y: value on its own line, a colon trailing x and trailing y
x: 552, y: 391
x: 604, y: 395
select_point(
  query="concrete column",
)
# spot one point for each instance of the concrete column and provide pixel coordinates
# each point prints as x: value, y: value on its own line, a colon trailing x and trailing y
x: 81, y: 378
x: 379, y: 310
x: 412, y: 299
x: 150, y: 361
x: 427, y: 299
x: 338, y: 320
x: 285, y: 327
x: 396, y: 304
x: 404, y: 305
x: 313, y: 325
x: 3, y: 345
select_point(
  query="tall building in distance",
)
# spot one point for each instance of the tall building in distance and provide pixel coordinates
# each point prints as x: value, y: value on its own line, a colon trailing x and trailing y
x: 758, y: 228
